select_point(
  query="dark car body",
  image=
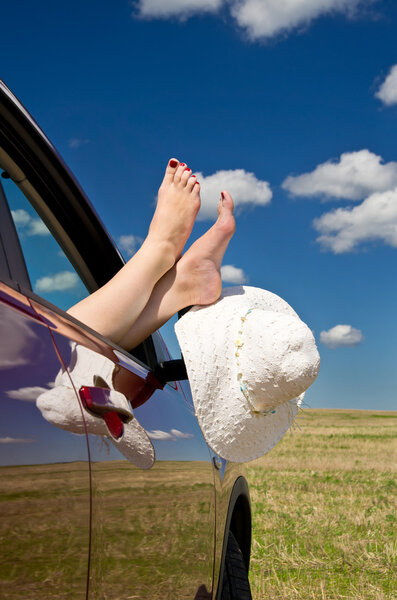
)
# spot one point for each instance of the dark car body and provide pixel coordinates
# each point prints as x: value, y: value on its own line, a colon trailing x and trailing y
x: 85, y: 514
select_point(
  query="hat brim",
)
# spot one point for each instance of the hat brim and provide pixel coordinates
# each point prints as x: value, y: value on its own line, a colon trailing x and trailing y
x: 207, y: 336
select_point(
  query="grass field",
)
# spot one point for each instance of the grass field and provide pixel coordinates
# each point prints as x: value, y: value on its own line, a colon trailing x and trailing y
x: 324, y: 520
x: 324, y: 510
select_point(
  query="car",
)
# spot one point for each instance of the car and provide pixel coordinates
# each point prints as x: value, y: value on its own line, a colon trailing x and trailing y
x: 107, y: 485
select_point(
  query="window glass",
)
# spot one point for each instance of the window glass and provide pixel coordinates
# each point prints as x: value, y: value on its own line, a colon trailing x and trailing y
x: 168, y: 334
x: 50, y: 271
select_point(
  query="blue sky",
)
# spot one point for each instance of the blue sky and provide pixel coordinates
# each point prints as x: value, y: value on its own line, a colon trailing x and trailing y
x: 249, y: 95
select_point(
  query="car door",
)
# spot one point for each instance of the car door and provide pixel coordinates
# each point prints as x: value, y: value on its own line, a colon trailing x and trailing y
x: 153, y: 487
x: 153, y: 496
x: 44, y: 471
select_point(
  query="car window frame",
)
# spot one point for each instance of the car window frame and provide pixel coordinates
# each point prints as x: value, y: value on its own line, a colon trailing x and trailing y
x: 12, y: 263
x: 32, y: 162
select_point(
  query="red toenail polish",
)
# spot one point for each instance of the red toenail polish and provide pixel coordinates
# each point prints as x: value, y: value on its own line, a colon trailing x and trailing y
x: 182, y: 164
x: 193, y: 175
x: 188, y: 169
x: 173, y: 163
x: 223, y: 195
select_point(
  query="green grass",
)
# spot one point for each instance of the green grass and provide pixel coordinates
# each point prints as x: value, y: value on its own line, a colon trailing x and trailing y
x: 324, y: 510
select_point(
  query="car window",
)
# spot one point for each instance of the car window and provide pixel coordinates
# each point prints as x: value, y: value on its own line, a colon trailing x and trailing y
x: 58, y: 249
x: 51, y: 273
x: 48, y: 273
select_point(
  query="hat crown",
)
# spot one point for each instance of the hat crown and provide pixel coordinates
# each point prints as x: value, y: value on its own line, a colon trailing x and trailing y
x: 277, y: 358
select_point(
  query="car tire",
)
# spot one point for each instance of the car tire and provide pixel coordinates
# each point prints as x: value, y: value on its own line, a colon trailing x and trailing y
x: 235, y: 585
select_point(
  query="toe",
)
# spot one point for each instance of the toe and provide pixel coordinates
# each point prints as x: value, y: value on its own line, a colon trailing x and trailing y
x: 185, y: 175
x: 195, y: 195
x: 227, y: 201
x: 179, y: 172
x: 191, y: 182
x: 225, y: 221
x: 225, y: 204
x: 171, y: 169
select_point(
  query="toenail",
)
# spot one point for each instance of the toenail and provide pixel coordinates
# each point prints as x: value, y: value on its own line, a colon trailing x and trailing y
x: 173, y: 163
x: 223, y: 195
x: 193, y: 175
x: 188, y: 169
x: 182, y: 164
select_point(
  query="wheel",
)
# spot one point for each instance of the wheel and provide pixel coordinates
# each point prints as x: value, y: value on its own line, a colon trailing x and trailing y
x: 235, y: 584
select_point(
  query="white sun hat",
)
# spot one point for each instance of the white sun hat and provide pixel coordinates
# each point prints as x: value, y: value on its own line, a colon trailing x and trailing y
x: 249, y: 359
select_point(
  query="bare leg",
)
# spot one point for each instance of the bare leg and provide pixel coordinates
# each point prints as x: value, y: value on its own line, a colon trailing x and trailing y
x: 195, y: 279
x: 113, y: 309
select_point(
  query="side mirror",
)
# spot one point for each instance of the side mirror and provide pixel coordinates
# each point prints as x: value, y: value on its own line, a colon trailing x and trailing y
x: 172, y: 370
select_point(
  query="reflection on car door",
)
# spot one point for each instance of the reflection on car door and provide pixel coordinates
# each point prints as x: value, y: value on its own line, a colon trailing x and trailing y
x: 153, y: 487
x: 44, y: 482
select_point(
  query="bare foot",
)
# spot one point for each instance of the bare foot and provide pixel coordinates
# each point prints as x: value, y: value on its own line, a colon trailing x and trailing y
x: 198, y: 278
x: 194, y: 279
x: 177, y: 207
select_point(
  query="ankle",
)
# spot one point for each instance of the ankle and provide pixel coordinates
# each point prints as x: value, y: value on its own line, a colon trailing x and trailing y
x: 158, y: 255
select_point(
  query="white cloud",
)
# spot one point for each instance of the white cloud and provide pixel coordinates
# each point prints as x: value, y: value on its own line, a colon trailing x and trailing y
x: 157, y: 434
x: 37, y: 227
x: 232, y: 274
x: 354, y: 176
x: 264, y: 19
x: 388, y: 90
x: 11, y: 440
x: 27, y: 224
x: 75, y: 143
x: 261, y: 19
x: 28, y: 394
x: 182, y: 9
x: 170, y: 436
x: 60, y: 282
x: 130, y: 243
x: 179, y: 434
x: 343, y: 229
x: 21, y: 217
x: 341, y: 336
x: 244, y: 187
